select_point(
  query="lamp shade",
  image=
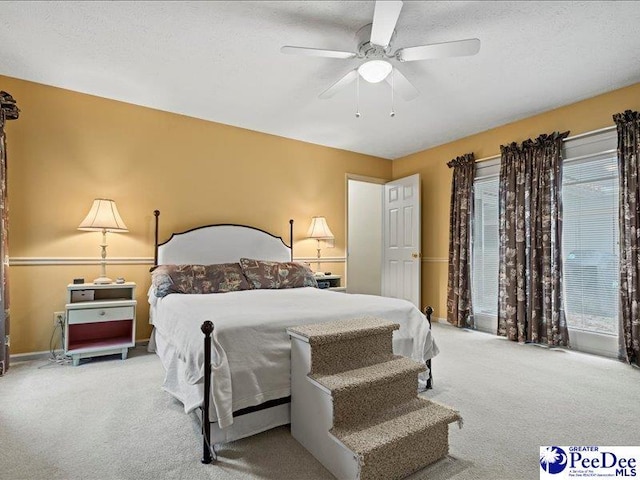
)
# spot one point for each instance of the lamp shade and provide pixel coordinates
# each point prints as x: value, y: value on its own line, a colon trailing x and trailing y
x: 103, y: 216
x: 319, y: 229
x: 375, y: 71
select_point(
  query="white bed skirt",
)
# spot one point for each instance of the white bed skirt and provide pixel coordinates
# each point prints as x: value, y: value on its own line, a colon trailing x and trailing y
x: 191, y: 396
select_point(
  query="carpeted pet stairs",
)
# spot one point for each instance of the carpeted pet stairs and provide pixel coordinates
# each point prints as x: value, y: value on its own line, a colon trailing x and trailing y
x: 354, y: 404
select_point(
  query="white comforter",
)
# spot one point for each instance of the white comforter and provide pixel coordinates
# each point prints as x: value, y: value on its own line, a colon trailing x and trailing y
x: 251, y: 350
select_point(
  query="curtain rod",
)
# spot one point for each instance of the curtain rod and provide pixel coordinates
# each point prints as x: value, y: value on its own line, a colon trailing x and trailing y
x: 592, y: 132
x: 485, y: 159
x: 575, y: 137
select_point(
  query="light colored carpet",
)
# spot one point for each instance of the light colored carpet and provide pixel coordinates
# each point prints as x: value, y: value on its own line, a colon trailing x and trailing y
x: 109, y: 419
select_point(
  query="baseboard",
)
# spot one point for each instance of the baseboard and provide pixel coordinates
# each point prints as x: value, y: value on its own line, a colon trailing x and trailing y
x: 25, y: 357
x: 440, y: 320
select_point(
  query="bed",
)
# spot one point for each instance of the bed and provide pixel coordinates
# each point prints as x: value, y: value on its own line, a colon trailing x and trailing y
x: 227, y: 355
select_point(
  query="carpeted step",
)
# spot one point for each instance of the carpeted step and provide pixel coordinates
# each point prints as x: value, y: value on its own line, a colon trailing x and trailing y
x: 346, y: 379
x: 361, y: 394
x: 400, y: 440
x: 347, y: 344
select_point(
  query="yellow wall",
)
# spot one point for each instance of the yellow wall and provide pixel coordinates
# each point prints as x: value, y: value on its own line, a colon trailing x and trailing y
x: 68, y: 148
x: 580, y: 117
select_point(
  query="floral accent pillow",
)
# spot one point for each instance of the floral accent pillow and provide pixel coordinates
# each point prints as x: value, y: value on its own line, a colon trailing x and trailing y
x: 219, y: 278
x: 264, y: 274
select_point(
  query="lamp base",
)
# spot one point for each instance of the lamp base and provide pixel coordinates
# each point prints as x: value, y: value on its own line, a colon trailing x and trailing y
x: 102, y: 280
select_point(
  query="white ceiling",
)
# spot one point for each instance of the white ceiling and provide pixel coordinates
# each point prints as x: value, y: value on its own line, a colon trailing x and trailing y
x: 221, y: 61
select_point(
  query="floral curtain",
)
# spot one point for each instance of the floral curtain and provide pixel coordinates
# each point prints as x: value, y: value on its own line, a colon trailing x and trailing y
x: 628, y: 125
x: 530, y: 307
x: 459, y: 312
x: 8, y: 111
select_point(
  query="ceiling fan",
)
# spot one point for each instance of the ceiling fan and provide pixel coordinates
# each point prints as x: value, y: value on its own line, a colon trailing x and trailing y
x: 375, y: 48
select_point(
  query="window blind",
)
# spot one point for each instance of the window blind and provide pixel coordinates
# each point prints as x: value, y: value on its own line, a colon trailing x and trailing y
x: 590, y: 242
x: 485, y: 245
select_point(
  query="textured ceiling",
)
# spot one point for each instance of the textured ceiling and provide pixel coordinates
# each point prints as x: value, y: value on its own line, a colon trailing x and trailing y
x: 220, y: 61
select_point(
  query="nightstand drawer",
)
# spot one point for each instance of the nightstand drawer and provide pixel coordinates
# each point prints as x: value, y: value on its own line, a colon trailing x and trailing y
x: 91, y: 315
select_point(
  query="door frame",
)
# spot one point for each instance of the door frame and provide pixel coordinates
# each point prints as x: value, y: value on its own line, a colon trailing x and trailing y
x: 358, y: 178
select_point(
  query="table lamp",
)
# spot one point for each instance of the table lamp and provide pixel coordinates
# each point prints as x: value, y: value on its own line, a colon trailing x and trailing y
x: 103, y: 217
x: 320, y: 231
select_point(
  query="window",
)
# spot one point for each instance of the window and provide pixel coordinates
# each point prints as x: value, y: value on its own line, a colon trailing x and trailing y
x: 590, y: 243
x: 484, y: 283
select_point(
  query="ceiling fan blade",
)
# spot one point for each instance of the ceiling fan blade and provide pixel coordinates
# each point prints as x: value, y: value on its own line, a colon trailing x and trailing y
x: 459, y: 48
x: 401, y: 85
x: 343, y: 82
x: 385, y: 17
x: 316, y: 52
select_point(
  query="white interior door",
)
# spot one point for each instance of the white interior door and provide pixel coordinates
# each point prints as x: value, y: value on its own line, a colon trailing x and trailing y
x: 402, y: 259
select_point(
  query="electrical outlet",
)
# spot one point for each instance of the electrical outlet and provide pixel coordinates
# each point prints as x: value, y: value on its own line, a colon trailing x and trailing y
x: 58, y: 317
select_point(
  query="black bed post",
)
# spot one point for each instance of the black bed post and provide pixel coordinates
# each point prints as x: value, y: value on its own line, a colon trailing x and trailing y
x: 428, y: 311
x: 291, y: 237
x: 207, y: 457
x: 156, y: 213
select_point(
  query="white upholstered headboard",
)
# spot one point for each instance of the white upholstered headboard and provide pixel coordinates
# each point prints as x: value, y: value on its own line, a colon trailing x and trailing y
x: 223, y: 243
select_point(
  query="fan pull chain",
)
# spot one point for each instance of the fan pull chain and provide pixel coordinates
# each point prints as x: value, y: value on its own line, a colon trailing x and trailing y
x: 358, y: 97
x: 393, y: 112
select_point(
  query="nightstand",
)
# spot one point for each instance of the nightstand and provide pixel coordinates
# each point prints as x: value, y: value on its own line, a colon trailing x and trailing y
x: 100, y: 320
x: 332, y: 282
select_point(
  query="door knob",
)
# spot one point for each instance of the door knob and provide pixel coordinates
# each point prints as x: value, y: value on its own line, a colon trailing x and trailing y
x: 416, y: 255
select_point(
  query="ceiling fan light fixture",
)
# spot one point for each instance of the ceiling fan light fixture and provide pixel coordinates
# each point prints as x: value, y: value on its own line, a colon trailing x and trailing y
x: 375, y: 71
